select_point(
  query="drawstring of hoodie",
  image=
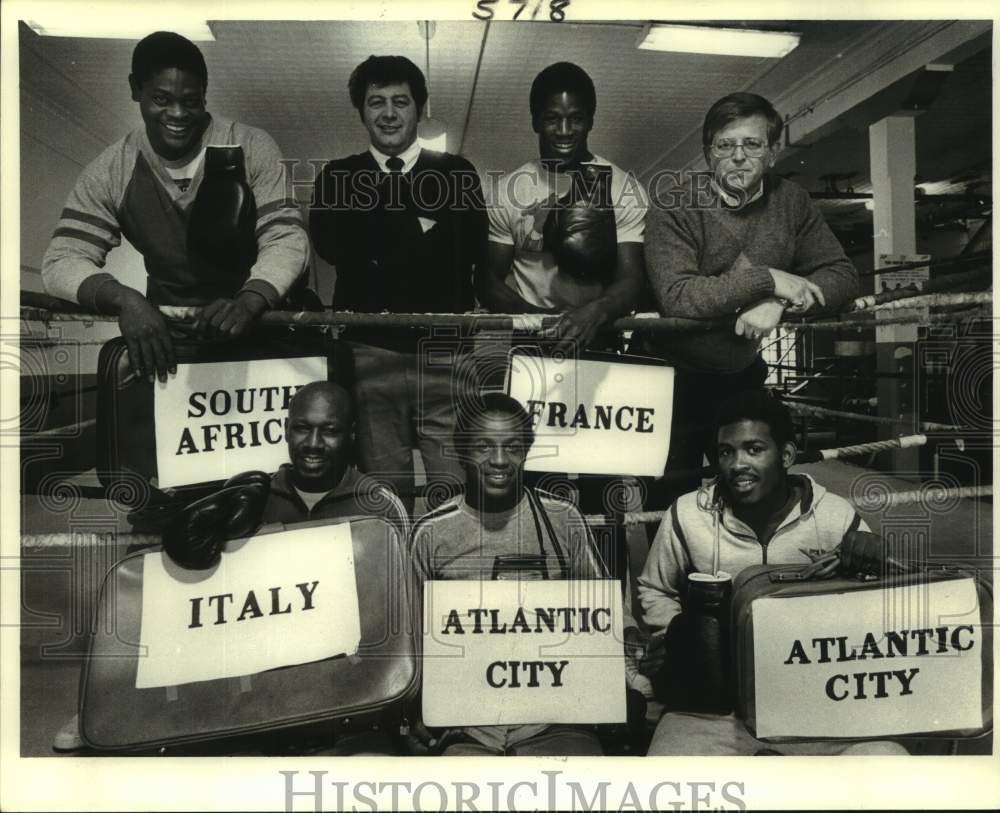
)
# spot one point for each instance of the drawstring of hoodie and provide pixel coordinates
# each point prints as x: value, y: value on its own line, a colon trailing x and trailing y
x: 713, y: 504
x: 823, y: 564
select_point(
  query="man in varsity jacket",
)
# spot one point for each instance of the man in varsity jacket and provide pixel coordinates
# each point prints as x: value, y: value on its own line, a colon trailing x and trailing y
x: 144, y: 187
x: 404, y: 226
x: 499, y: 529
x: 756, y: 513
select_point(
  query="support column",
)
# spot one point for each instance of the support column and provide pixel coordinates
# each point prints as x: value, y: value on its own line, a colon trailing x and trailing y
x: 892, y: 146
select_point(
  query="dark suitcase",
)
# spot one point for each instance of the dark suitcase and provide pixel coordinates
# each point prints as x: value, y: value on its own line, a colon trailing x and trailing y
x: 896, y: 700
x: 126, y: 434
x: 353, y: 693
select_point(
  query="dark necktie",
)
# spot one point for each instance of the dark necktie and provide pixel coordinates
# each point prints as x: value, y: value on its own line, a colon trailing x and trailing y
x: 394, y: 163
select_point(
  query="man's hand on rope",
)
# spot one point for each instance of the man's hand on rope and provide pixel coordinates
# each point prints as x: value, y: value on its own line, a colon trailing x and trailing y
x: 150, y: 348
x: 228, y: 318
x: 580, y: 325
x: 800, y: 293
x: 759, y: 321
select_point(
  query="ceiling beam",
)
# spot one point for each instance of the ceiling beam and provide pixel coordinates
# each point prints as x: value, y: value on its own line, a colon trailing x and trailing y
x: 814, y: 112
x: 888, y: 53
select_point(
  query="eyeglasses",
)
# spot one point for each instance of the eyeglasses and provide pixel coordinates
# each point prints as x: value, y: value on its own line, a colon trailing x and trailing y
x: 752, y: 147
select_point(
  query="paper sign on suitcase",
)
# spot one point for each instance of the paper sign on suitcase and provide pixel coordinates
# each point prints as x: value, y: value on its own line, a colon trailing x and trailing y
x: 595, y: 416
x: 848, y: 659
x: 367, y: 688
x: 508, y: 652
x: 260, y: 608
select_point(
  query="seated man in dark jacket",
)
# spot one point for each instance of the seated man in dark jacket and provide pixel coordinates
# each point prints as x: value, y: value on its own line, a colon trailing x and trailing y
x: 320, y: 481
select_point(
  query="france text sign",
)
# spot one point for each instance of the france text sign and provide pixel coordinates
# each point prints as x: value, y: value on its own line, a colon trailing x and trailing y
x: 602, y: 417
x: 277, y: 600
x: 217, y: 419
x: 829, y: 666
x: 509, y: 652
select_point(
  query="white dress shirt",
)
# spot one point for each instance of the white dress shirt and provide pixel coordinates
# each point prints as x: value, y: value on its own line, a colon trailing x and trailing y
x: 408, y: 157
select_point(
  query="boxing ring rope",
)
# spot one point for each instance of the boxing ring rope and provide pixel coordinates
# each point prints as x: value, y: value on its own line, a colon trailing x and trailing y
x: 948, y: 266
x: 52, y: 311
x: 921, y: 321
x: 938, y: 284
x: 877, y: 501
x: 45, y: 309
x: 923, y: 300
x: 823, y: 412
x: 934, y: 495
x: 861, y: 449
x: 527, y: 322
x: 929, y: 493
x: 69, y: 430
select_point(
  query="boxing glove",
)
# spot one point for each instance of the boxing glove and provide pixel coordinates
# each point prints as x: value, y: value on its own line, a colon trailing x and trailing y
x: 580, y: 232
x: 194, y: 538
x: 863, y: 553
x: 222, y: 244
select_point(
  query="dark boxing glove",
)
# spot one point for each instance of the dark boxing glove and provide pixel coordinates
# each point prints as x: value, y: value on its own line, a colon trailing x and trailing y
x: 194, y: 538
x: 863, y: 553
x: 222, y: 243
x: 580, y: 231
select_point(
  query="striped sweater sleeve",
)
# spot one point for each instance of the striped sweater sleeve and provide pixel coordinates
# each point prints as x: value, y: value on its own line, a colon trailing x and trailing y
x: 88, y: 228
x: 282, y: 243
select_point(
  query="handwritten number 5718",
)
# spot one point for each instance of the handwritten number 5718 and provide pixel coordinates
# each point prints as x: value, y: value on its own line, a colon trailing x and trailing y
x: 484, y: 9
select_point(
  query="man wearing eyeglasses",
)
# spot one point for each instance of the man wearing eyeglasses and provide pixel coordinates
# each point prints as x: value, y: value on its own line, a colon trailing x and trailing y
x: 751, y: 246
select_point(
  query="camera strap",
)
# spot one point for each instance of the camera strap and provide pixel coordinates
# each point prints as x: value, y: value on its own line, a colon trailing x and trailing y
x: 538, y: 510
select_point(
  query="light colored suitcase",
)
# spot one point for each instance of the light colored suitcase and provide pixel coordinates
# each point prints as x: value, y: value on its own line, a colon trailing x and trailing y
x: 357, y: 693
x: 903, y: 703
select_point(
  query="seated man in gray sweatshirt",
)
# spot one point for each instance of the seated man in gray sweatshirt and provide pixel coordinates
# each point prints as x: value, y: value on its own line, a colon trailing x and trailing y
x: 746, y: 244
x: 500, y: 529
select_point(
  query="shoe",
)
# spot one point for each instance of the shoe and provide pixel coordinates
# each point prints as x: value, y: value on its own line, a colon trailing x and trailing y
x: 68, y: 737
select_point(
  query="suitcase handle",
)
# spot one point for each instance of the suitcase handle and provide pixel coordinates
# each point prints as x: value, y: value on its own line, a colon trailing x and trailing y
x: 810, y: 573
x: 826, y: 567
x: 861, y: 555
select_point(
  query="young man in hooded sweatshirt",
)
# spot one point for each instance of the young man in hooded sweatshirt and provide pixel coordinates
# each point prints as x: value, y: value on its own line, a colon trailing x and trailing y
x: 757, y: 512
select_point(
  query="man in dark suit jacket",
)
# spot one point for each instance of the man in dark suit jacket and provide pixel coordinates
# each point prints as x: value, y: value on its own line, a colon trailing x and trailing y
x: 404, y: 226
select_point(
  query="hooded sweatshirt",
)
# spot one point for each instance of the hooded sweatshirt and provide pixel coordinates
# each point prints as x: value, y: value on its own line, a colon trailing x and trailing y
x: 685, y: 541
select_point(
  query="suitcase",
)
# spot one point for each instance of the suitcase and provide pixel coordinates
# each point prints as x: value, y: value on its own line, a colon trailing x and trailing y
x: 793, y: 675
x: 126, y: 440
x: 349, y: 694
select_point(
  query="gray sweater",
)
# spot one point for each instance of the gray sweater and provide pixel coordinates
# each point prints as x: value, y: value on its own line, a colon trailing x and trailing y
x: 708, y: 261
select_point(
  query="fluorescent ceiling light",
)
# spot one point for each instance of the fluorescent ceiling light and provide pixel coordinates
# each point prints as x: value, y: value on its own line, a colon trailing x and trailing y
x: 698, y: 39
x: 115, y: 27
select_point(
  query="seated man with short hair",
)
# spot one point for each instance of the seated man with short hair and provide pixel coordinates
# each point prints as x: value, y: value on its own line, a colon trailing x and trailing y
x: 320, y: 480
x: 319, y: 483
x: 472, y: 536
x: 755, y: 513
